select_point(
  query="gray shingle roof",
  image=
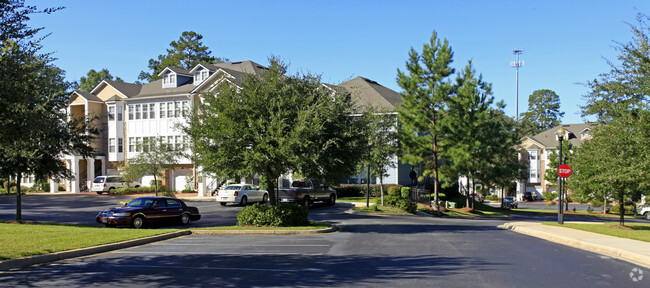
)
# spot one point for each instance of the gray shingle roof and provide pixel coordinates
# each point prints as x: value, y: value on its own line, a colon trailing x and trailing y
x: 366, y: 91
x: 242, y: 66
x: 87, y: 95
x: 128, y: 89
x: 155, y: 89
x: 549, y: 140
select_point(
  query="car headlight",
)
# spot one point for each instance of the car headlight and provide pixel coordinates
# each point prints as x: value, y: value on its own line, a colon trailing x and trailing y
x: 123, y: 214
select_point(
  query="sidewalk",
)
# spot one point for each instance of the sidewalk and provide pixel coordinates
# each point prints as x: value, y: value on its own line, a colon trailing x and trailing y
x: 634, y: 251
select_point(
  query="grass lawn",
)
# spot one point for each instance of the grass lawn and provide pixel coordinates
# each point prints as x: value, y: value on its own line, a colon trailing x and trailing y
x: 641, y: 230
x: 356, y: 199
x: 20, y: 240
x: 381, y: 209
x: 577, y: 213
x: 314, y: 226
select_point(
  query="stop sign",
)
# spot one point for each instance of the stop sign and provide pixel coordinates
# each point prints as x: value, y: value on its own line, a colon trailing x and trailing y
x: 564, y: 171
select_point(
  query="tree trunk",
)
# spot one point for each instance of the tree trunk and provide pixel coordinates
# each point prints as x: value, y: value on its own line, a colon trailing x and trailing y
x: 270, y: 184
x: 605, y: 205
x: 155, y: 186
x: 19, y: 208
x: 621, y: 205
x: 467, y: 190
x: 381, y: 187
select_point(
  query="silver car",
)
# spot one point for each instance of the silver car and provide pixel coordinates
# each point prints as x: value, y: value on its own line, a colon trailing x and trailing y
x: 241, y: 194
x: 109, y: 183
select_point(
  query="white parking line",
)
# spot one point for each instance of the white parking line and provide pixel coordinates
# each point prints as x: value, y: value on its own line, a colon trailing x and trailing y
x: 149, y: 253
x: 240, y: 245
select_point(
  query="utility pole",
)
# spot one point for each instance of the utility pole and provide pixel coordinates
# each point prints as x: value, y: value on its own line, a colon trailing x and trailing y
x: 516, y: 65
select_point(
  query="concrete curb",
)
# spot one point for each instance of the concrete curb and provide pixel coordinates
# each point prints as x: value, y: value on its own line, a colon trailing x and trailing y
x: 52, y: 257
x: 617, y: 253
x: 46, y: 258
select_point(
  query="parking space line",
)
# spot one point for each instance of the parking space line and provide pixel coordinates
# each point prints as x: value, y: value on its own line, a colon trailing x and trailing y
x: 242, y: 245
x: 148, y: 253
x: 209, y: 268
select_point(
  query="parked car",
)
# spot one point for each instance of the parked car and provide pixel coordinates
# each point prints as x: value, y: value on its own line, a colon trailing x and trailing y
x: 305, y: 192
x: 107, y: 184
x: 528, y: 196
x: 509, y: 203
x: 241, y: 194
x: 477, y: 197
x: 645, y: 211
x: 147, y: 210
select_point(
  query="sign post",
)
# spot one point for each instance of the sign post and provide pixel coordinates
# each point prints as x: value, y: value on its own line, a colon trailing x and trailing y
x: 564, y: 171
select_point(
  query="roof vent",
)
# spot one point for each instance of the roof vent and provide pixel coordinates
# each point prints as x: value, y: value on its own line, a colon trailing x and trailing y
x: 236, y: 62
x: 371, y: 81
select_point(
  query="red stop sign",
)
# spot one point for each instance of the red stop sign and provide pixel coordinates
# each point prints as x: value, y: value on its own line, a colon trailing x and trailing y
x: 564, y: 171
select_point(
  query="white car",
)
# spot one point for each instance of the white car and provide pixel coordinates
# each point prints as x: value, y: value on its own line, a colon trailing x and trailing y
x: 108, y: 184
x: 645, y: 211
x: 241, y: 194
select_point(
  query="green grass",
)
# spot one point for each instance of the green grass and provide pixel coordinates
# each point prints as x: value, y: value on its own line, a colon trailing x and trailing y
x: 356, y: 199
x: 21, y: 240
x: 314, y: 226
x: 641, y: 230
x: 381, y: 209
x: 597, y: 214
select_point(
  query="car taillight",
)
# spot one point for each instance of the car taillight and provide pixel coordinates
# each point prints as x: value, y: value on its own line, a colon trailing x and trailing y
x: 236, y: 193
x: 217, y: 193
x: 297, y: 194
x: 104, y: 185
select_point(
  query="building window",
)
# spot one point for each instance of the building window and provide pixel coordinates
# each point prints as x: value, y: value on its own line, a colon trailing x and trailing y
x: 177, y: 109
x: 162, y: 110
x: 145, y: 111
x: 119, y: 112
x: 152, y: 111
x: 179, y: 144
x: 137, y: 112
x: 138, y: 144
x: 170, y: 143
x: 131, y: 144
x: 172, y: 78
x: 145, y: 144
x: 120, y: 145
x: 111, y: 145
x: 170, y: 109
x: 130, y: 112
x: 186, y: 108
x: 111, y: 113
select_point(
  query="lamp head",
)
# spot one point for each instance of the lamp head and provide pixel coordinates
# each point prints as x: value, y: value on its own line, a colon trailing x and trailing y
x: 560, y: 133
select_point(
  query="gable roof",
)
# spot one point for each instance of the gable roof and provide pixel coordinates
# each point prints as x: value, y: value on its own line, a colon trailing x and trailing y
x: 549, y: 139
x: 86, y: 95
x: 155, y: 88
x: 126, y: 89
x: 177, y: 71
x: 242, y: 66
x: 367, y: 91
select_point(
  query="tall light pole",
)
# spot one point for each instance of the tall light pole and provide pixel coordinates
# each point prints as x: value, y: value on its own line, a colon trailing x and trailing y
x: 516, y: 65
x: 560, y: 213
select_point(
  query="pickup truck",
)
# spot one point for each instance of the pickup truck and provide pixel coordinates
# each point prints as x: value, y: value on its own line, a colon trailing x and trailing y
x: 645, y: 211
x: 305, y: 192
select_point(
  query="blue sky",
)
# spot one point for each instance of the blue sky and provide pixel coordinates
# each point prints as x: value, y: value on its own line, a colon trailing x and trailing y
x: 564, y: 42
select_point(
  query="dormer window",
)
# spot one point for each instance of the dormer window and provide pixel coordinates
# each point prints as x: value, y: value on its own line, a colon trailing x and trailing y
x: 169, y: 80
x: 200, y: 76
x: 585, y: 134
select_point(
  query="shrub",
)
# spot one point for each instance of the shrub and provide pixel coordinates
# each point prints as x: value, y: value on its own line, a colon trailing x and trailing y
x: 493, y: 197
x: 596, y: 203
x: 45, y: 187
x: 359, y: 190
x: 549, y: 196
x: 629, y: 209
x: 349, y: 191
x: 394, y: 191
x: 152, y: 184
x: 61, y: 187
x: 406, y: 192
x: 279, y: 215
x: 188, y: 191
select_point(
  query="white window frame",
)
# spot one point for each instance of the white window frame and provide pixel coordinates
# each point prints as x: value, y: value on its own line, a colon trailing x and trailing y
x: 131, y: 112
x: 145, y: 111
x: 119, y: 113
x: 152, y: 110
x: 111, y: 145
x: 111, y: 112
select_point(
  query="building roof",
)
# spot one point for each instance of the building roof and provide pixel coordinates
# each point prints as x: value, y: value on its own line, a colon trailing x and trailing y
x: 86, y: 95
x: 176, y: 70
x: 574, y: 131
x: 155, y: 88
x: 128, y: 89
x: 366, y: 91
x: 242, y: 66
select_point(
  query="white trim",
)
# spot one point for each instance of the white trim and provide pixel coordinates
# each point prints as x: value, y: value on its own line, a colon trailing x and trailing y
x: 158, y: 97
x: 197, y: 66
x: 104, y: 81
x: 200, y: 86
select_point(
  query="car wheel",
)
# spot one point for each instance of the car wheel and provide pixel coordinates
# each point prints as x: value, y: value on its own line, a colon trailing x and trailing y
x: 244, y: 201
x: 137, y: 222
x: 137, y: 186
x: 222, y: 203
x: 647, y: 216
x: 265, y: 198
x: 99, y: 192
x: 111, y: 190
x: 332, y: 200
x: 185, y: 218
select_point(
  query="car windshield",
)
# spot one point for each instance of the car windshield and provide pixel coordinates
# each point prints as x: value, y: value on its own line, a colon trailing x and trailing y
x: 140, y: 202
x: 99, y: 180
x: 233, y: 187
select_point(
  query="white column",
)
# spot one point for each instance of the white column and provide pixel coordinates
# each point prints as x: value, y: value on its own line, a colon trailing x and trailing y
x: 103, y: 167
x: 90, y: 172
x: 54, y: 186
x: 74, y: 166
x: 201, y: 182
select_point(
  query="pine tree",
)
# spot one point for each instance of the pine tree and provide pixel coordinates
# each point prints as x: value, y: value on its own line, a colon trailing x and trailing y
x: 543, y: 112
x: 426, y: 89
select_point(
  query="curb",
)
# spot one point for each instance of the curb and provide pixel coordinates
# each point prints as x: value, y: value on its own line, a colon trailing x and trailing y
x: 57, y: 256
x: 617, y: 253
x: 40, y: 259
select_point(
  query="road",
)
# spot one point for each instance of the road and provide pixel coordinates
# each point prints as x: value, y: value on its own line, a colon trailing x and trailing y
x: 369, y: 251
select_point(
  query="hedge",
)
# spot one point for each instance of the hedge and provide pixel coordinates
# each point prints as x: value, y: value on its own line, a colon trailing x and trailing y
x: 283, y: 214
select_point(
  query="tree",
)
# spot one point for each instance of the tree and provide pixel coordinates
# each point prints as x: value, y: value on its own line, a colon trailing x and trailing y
x: 93, y: 78
x: 382, y: 143
x: 155, y: 158
x: 426, y: 88
x: 34, y: 124
x: 273, y: 124
x: 185, y: 53
x: 543, y: 112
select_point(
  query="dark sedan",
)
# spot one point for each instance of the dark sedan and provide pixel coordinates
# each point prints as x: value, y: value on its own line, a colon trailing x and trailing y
x: 148, y: 210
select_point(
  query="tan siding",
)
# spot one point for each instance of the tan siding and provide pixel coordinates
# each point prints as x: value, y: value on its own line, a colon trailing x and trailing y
x: 107, y: 92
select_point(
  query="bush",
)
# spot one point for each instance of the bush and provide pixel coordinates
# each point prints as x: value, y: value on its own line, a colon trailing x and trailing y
x: 45, y: 187
x: 152, y: 184
x: 188, y: 191
x: 549, y: 196
x: 395, y: 191
x: 279, y: 215
x: 493, y: 197
x: 61, y: 187
x: 142, y: 190
x: 629, y: 209
x: 406, y: 192
x: 596, y: 203
x: 359, y: 190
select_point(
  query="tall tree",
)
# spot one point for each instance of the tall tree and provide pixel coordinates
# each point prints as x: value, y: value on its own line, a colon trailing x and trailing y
x: 543, y: 112
x: 93, y: 78
x: 185, y: 53
x: 34, y: 124
x: 426, y: 88
x: 273, y: 124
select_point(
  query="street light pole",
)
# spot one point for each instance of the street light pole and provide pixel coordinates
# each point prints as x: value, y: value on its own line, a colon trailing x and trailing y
x: 560, y: 212
x: 516, y: 65
x: 368, y: 177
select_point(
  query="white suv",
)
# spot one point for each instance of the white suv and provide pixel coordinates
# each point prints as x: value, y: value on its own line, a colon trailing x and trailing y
x: 645, y: 211
x: 109, y: 183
